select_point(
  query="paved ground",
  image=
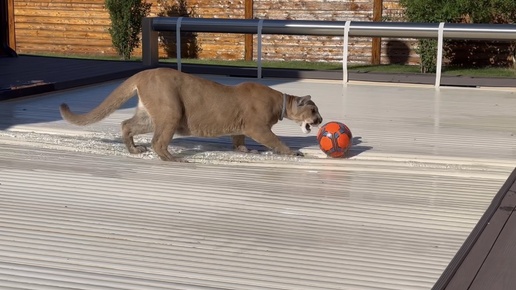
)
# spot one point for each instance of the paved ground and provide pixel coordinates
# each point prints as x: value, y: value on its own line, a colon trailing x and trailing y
x: 78, y: 212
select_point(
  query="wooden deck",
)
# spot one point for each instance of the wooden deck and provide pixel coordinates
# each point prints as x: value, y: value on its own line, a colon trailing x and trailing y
x: 79, y: 212
x: 485, y: 261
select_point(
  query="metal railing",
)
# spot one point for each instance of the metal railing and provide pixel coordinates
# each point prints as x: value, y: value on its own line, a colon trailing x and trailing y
x: 346, y: 29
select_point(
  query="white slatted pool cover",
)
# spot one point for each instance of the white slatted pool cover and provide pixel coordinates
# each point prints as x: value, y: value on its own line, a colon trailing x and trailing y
x: 77, y: 212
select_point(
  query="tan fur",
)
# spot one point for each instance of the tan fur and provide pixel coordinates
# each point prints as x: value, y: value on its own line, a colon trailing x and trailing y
x: 172, y: 102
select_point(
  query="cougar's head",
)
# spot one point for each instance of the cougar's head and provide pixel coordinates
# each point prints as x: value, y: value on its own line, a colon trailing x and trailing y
x: 305, y: 113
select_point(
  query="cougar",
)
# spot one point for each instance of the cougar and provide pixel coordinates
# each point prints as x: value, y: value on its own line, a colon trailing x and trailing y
x: 171, y: 102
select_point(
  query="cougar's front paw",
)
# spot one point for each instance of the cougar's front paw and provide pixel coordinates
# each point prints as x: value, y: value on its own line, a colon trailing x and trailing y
x: 241, y: 149
x: 137, y: 149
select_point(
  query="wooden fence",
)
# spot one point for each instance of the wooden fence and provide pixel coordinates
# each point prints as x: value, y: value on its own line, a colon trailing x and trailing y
x: 80, y: 27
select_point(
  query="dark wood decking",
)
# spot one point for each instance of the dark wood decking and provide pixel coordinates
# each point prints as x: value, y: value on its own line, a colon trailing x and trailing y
x: 27, y: 75
x: 487, y: 259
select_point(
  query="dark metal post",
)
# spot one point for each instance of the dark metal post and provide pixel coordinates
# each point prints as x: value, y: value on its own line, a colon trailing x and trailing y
x: 7, y: 40
x: 150, y: 49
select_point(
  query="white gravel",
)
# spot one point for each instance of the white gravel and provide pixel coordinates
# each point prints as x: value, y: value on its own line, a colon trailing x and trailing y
x: 191, y: 149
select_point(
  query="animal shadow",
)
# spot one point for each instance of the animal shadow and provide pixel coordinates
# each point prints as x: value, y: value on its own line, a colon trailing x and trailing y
x: 195, y: 145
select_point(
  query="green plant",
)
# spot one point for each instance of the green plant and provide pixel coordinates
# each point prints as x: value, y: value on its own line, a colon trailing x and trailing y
x: 126, y: 22
x: 463, y: 53
x: 428, y: 11
x: 427, y: 50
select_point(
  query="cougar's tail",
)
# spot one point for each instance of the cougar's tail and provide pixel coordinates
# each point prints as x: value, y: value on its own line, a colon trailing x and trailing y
x: 119, y: 96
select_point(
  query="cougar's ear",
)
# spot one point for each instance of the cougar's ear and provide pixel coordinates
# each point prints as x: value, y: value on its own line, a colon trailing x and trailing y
x: 303, y: 100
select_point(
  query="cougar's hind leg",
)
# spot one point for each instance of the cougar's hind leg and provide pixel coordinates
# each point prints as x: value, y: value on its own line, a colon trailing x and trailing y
x: 166, y: 117
x: 163, y: 134
x: 140, y: 123
x: 239, y: 143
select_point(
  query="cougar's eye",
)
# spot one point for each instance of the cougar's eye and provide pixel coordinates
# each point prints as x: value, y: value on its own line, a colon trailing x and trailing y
x: 314, y: 111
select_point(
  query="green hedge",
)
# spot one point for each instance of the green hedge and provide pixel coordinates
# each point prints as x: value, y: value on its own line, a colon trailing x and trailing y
x: 456, y: 11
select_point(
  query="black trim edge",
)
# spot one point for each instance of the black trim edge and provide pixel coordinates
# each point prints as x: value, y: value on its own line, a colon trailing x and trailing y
x: 466, y: 247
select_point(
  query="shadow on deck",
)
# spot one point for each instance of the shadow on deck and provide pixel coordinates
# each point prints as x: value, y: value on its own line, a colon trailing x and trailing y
x: 28, y: 75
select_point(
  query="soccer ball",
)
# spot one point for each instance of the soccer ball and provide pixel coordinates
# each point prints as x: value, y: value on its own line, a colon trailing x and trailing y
x: 334, y: 139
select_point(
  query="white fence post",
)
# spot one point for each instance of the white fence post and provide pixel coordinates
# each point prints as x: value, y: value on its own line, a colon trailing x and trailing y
x: 440, y: 36
x: 178, y: 43
x: 345, y: 54
x: 259, y: 50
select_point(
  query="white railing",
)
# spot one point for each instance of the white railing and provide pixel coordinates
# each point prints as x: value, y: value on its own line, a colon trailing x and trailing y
x: 440, y: 31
